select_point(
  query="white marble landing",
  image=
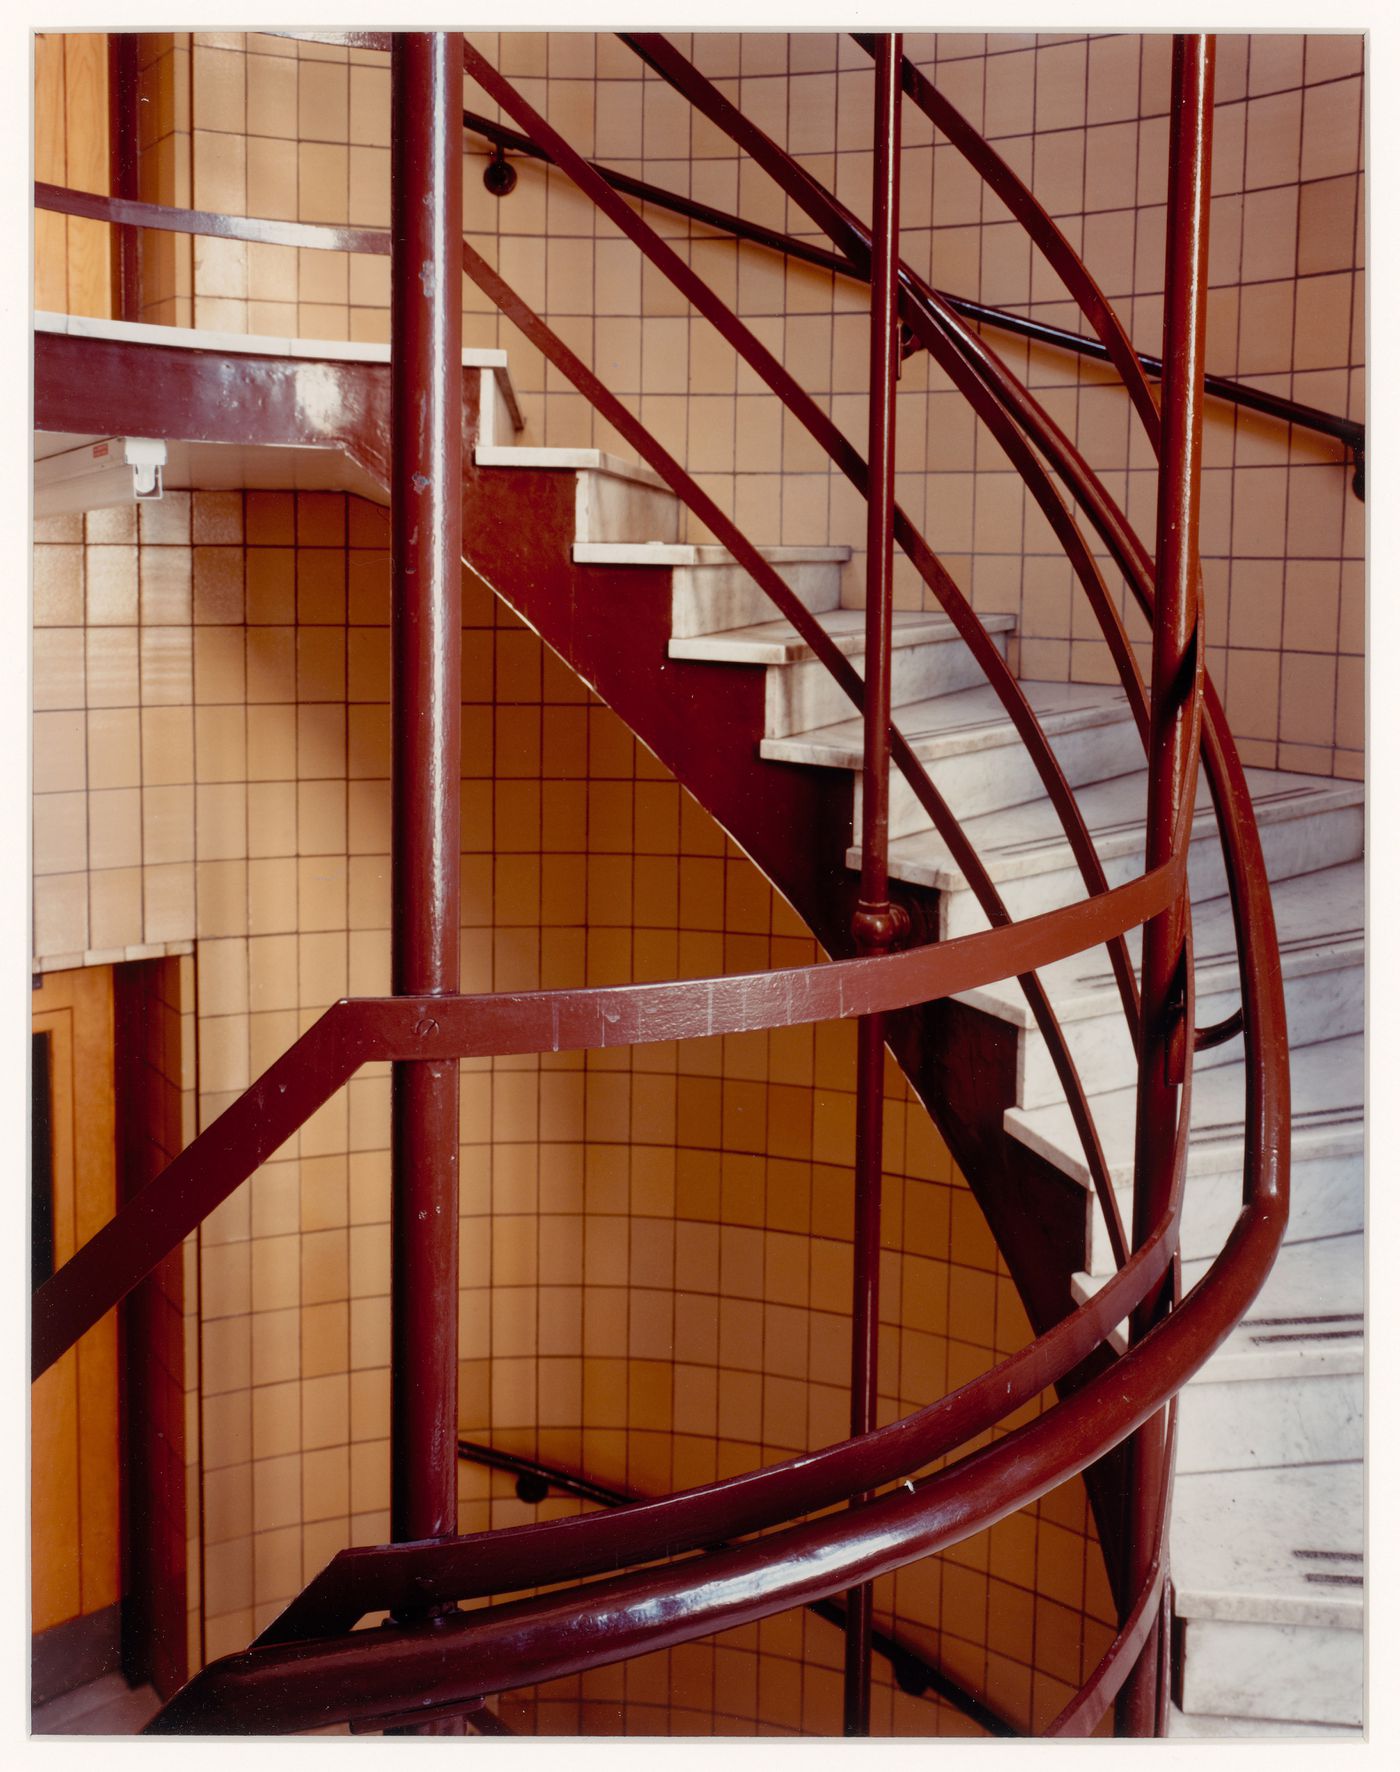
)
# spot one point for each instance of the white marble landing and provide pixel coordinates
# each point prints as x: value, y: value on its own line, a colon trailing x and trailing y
x: 259, y: 344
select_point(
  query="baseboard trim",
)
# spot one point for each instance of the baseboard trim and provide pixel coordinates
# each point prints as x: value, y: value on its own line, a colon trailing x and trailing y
x: 70, y: 1654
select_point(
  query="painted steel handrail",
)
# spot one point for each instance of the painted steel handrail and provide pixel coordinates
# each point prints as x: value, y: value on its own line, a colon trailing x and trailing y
x: 913, y: 1673
x: 824, y: 432
x: 1347, y: 431
x: 367, y: 1030
x: 1163, y: 1356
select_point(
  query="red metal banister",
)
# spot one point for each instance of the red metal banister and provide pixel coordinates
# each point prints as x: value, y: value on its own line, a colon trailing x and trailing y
x: 366, y: 1030
x: 408, y: 1670
x: 821, y: 427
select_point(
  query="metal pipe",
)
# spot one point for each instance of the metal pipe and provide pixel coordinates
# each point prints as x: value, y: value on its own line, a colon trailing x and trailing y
x: 875, y: 925
x: 1173, y: 764
x: 1349, y: 431
x: 426, y: 567
x: 124, y: 138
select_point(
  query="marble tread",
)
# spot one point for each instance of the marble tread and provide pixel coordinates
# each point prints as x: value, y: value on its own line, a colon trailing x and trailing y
x: 1308, y: 1320
x: 1327, y: 1092
x: 1272, y: 1546
x: 1028, y: 840
x: 587, y: 461
x: 689, y: 553
x: 967, y: 720
x: 1318, y: 917
x: 779, y: 643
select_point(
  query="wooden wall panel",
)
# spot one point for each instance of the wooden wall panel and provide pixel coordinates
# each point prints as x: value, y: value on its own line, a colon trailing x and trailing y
x: 72, y: 257
x: 50, y: 164
x: 76, y: 1562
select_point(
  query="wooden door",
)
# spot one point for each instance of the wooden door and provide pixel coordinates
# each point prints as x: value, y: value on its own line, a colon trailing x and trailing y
x: 75, y: 1569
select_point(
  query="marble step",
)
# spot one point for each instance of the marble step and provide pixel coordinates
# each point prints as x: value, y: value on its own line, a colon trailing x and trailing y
x: 615, y: 500
x: 711, y: 592
x: 1306, y: 823
x: 1321, y: 949
x: 1327, y: 1080
x: 928, y: 660
x: 1286, y: 1386
x: 1184, y: 1727
x: 1268, y: 1584
x: 972, y: 751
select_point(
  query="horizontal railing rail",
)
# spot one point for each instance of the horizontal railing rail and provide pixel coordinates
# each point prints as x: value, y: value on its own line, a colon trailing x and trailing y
x: 367, y: 1030
x: 1347, y: 431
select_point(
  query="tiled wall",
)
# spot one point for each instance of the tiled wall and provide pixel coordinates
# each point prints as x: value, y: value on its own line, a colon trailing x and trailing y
x: 301, y: 131
x: 655, y: 1242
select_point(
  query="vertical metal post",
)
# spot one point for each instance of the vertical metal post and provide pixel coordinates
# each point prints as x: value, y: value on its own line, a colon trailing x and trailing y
x: 124, y: 135
x: 426, y: 640
x: 1173, y: 761
x: 877, y: 924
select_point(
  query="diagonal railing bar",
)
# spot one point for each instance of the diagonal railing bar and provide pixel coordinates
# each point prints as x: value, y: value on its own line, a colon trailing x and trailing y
x: 260, y: 230
x: 846, y: 457
x: 366, y: 1030
x: 1349, y: 432
x: 1043, y: 230
x: 1009, y: 188
x: 659, y: 54
x: 913, y: 1673
x: 1096, y: 1694
x: 903, y: 755
x: 854, y: 240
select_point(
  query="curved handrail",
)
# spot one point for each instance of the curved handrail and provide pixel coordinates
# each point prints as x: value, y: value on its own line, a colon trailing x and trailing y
x: 655, y: 1607
x: 912, y: 1672
x: 566, y: 1632
x: 366, y: 1030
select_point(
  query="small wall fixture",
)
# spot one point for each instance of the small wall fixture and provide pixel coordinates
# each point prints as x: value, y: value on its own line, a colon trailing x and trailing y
x: 499, y: 176
x: 98, y: 475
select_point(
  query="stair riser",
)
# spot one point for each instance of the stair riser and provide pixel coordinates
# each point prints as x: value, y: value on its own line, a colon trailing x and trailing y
x: 974, y: 782
x: 1269, y: 1422
x: 1292, y: 1672
x: 806, y: 695
x: 1320, y: 1005
x: 1291, y: 846
x: 709, y: 599
x: 607, y: 508
x: 1326, y: 1199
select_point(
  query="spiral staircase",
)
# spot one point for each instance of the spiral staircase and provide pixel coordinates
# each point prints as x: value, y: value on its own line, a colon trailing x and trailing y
x: 1110, y: 1070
